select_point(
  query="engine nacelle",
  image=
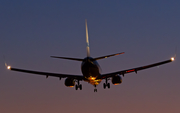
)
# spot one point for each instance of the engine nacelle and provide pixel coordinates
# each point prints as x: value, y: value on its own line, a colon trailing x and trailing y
x: 69, y: 82
x: 116, y: 80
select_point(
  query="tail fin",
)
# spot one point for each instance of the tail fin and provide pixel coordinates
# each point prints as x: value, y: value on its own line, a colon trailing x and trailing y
x: 87, y: 40
x: 8, y: 67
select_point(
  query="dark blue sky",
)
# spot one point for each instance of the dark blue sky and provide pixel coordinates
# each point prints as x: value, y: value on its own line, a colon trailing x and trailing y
x: 147, y: 31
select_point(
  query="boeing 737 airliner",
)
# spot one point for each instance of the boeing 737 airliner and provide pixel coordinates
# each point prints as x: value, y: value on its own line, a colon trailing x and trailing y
x: 91, y: 70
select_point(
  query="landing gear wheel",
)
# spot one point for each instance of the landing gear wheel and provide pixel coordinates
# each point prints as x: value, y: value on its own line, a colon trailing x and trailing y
x: 108, y: 85
x: 76, y: 87
x: 104, y: 85
x: 80, y: 87
x: 95, y: 90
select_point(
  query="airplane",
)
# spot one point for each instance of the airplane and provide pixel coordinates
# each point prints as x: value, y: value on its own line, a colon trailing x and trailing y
x: 91, y: 70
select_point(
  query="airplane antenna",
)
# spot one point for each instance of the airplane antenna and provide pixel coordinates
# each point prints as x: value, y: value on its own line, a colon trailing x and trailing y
x: 87, y: 39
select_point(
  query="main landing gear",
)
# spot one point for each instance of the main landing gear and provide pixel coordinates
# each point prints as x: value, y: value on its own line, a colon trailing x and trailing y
x: 78, y: 86
x: 106, y: 84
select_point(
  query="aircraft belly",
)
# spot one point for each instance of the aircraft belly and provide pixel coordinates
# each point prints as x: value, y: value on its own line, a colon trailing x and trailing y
x: 90, y: 70
x: 95, y: 82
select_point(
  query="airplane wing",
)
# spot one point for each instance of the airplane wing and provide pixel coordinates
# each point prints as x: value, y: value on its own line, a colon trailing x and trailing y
x: 123, y: 72
x: 78, y: 77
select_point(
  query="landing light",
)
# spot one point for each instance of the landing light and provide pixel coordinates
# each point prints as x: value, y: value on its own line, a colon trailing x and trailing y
x: 172, y: 59
x: 8, y: 67
x: 92, y: 78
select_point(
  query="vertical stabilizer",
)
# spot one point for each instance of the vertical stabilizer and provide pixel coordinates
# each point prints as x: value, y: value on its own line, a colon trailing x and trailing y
x: 87, y: 40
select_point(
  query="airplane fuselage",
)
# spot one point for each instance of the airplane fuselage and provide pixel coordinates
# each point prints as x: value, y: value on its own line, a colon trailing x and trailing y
x: 91, y: 70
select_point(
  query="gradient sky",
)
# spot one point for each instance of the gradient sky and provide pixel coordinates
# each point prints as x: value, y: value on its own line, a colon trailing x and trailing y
x: 147, y: 31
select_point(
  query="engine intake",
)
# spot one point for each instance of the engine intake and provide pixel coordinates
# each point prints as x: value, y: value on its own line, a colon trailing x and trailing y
x: 69, y: 82
x: 116, y: 80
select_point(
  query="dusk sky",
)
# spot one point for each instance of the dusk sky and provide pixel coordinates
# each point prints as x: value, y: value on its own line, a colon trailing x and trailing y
x: 32, y: 31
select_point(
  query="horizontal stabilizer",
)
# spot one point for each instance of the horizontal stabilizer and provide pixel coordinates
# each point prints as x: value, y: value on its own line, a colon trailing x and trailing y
x: 77, y: 59
x: 98, y: 58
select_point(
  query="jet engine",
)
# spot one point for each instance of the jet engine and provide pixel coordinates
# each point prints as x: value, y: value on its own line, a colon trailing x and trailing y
x: 69, y: 82
x: 116, y: 80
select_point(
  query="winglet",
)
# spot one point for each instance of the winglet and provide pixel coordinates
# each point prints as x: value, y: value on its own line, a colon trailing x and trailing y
x: 175, y: 52
x: 8, y: 67
x: 173, y: 58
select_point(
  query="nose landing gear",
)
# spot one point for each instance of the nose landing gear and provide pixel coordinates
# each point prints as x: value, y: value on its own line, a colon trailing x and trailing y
x: 95, y: 90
